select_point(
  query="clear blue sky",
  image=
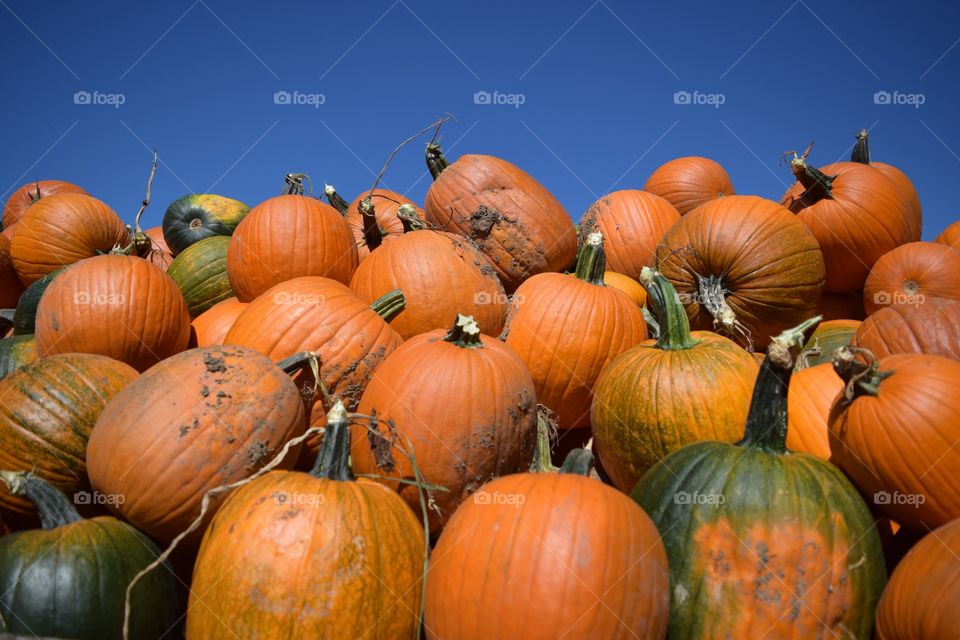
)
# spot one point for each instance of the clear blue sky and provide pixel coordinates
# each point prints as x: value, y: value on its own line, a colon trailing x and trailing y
x: 597, y: 81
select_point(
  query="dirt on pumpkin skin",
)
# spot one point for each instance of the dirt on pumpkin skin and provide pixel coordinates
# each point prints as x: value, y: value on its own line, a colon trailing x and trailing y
x: 256, y: 452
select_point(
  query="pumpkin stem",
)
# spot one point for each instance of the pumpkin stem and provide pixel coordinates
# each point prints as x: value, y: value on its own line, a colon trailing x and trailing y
x: 578, y: 462
x: 860, y: 378
x: 465, y: 333
x: 816, y: 183
x: 35, y: 197
x: 53, y: 507
x: 389, y: 304
x: 410, y: 218
x: 372, y: 235
x: 333, y: 463
x: 767, y: 420
x: 861, y: 150
x: 546, y: 431
x: 672, y: 318
x: 436, y: 161
x: 713, y: 299
x: 297, y: 362
x: 335, y: 200
x: 293, y: 184
x: 138, y: 231
x: 592, y: 260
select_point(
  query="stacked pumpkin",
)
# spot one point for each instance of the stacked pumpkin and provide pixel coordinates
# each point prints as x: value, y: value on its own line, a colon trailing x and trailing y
x: 382, y: 391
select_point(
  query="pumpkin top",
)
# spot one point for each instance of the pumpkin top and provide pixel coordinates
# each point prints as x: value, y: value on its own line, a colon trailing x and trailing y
x: 333, y: 463
x: 53, y: 507
x: 860, y: 378
x: 767, y: 421
x: 861, y: 150
x: 465, y: 333
x: 816, y: 183
x: 334, y: 199
x: 592, y: 261
x: 671, y: 316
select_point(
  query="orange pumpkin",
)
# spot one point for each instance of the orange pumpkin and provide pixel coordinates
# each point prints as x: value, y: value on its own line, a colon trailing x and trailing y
x: 744, y: 267
x: 320, y: 315
x: 950, y: 236
x: 932, y: 328
x: 286, y: 237
x: 689, y: 182
x: 861, y: 154
x: 204, y: 418
x: 626, y: 284
x: 913, y: 274
x: 812, y: 392
x: 440, y: 274
x: 211, y: 326
x: 896, y: 433
x: 385, y: 224
x: 567, y: 328
x: 856, y: 213
x: 467, y: 404
x: 515, y: 221
x: 160, y: 254
x: 522, y: 539
x: 923, y: 595
x: 633, y: 223
x: 62, y: 229
x: 118, y: 306
x: 10, y: 286
x: 21, y: 199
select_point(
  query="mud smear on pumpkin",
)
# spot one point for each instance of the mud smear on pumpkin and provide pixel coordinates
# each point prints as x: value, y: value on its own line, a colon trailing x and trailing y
x: 213, y: 363
x: 256, y: 452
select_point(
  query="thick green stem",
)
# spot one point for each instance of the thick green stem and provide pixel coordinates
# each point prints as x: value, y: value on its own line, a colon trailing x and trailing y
x: 592, y: 261
x: 335, y: 200
x: 860, y: 378
x: 465, y: 333
x: 542, y: 460
x: 389, y: 304
x: 53, y: 507
x: 436, y: 162
x: 861, y: 150
x: 767, y: 420
x: 672, y: 319
x: 333, y: 463
x: 578, y: 462
x: 372, y: 235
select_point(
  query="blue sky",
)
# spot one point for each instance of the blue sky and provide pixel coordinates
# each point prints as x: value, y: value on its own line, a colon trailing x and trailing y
x: 597, y: 79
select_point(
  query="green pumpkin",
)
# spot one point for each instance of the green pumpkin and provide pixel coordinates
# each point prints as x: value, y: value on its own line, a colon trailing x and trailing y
x: 15, y: 352
x: 201, y: 273
x: 69, y: 580
x: 25, y: 314
x: 200, y: 215
x: 761, y: 541
x: 829, y: 336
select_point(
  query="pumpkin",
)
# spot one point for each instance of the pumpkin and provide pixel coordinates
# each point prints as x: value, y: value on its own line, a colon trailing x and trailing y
x: 70, y: 579
x: 950, y: 236
x: 140, y: 305
x: 286, y: 237
x: 200, y: 215
x: 159, y: 251
x: 921, y: 599
x: 896, y: 432
x: 203, y: 418
x: 343, y: 558
x: 861, y: 154
x: 689, y: 182
x: 200, y: 271
x: 25, y: 315
x: 842, y: 306
x: 761, y: 540
x: 567, y: 328
x: 62, y: 229
x: 856, y: 213
x: 10, y: 286
x: 440, y: 274
x: 211, y: 327
x: 812, y: 392
x: 827, y: 338
x: 372, y: 229
x: 8, y: 232
x: 932, y: 328
x: 633, y: 223
x: 743, y: 266
x: 525, y: 538
x: 663, y: 394
x: 913, y: 274
x: 515, y: 221
x: 21, y: 199
x: 320, y: 315
x: 49, y: 408
x: 626, y: 284
x: 15, y: 352
x: 428, y: 393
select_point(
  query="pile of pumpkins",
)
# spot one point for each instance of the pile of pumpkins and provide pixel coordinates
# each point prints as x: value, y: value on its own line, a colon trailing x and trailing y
x: 693, y: 413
